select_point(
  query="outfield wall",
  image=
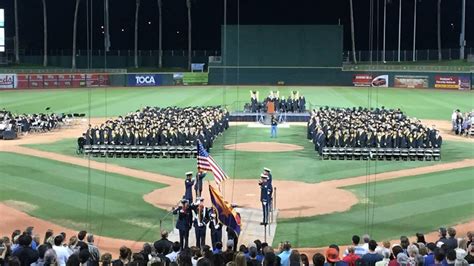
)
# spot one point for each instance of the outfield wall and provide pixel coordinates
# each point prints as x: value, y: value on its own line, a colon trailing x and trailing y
x: 333, y: 77
x: 90, y: 80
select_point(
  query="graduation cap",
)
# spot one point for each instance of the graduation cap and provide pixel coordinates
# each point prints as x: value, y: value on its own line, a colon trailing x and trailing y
x: 267, y: 169
x: 47, y: 108
x: 189, y: 173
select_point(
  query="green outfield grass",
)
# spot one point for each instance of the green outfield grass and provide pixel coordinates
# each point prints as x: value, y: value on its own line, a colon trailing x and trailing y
x: 402, y: 206
x: 80, y: 198
x: 112, y: 205
x: 305, y: 165
x: 100, y: 102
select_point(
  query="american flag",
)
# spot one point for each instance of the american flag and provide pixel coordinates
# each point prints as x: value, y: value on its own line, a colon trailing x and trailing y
x: 206, y: 163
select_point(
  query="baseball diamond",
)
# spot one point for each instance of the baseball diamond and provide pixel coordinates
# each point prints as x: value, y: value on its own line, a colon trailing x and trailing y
x: 242, y: 138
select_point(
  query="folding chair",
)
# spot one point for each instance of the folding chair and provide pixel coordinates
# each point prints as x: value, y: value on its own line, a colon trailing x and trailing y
x: 436, y: 154
x: 404, y: 154
x: 179, y: 151
x: 428, y: 153
x: 388, y: 154
x: 149, y: 152
x: 396, y: 154
x: 341, y: 153
x: 134, y: 151
x: 118, y: 151
x: 325, y: 153
x: 141, y: 151
x: 365, y: 153
x: 420, y: 154
x: 349, y: 153
x: 357, y: 153
x: 412, y: 154
x: 126, y: 151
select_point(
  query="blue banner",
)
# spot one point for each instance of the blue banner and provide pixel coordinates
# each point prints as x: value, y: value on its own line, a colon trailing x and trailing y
x: 144, y: 80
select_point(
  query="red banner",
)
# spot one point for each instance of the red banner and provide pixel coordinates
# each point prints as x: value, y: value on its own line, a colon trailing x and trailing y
x: 62, y: 80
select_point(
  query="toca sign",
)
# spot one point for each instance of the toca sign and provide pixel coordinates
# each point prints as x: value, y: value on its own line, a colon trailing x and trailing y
x: 143, y: 80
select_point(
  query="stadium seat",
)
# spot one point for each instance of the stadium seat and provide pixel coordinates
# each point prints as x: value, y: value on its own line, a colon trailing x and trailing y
x: 436, y: 154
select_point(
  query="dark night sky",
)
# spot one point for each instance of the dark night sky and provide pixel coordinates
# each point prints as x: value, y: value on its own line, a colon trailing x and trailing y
x: 208, y: 16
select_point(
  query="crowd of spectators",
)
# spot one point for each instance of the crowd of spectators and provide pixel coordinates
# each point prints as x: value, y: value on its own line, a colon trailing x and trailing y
x: 27, y: 248
x: 462, y: 123
x: 369, y: 128
x: 294, y: 103
x: 154, y: 126
x: 25, y: 123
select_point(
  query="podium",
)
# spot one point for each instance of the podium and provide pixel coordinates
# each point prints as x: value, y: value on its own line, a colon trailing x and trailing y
x: 270, y: 107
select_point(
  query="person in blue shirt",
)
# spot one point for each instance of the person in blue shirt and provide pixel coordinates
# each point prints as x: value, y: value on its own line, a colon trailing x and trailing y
x: 429, y: 258
x: 285, y: 254
x: 371, y: 257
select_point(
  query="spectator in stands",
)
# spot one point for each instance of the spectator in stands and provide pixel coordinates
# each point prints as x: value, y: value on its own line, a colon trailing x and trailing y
x: 173, y: 256
x: 442, y: 235
x: 396, y: 249
x: 318, y: 259
x: 451, y: 241
x: 429, y: 258
x: 371, y: 257
x: 285, y: 253
x: 386, y: 258
x: 124, y: 257
x: 351, y: 258
x: 48, y: 236
x: 185, y: 258
x: 295, y: 258
x: 62, y: 252
x: 359, y: 249
x: 93, y: 250
x: 404, y: 243
x: 414, y: 256
x: 240, y: 259
x: 470, y: 254
x: 304, y: 260
x: 25, y: 253
x: 332, y: 257
x: 164, y: 243
x: 420, y: 238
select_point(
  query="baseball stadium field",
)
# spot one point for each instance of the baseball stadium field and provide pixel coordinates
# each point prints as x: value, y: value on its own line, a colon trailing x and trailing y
x: 44, y: 180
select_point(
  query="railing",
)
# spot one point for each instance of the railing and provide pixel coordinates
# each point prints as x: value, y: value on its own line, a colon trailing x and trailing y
x: 407, y: 68
x: 98, y: 52
x: 406, y: 55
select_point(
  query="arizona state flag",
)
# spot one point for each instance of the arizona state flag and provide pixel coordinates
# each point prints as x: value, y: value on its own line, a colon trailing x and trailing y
x: 225, y: 213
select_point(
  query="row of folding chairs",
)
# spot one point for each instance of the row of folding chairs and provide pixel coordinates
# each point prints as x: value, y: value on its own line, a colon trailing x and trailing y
x: 420, y: 154
x: 119, y: 151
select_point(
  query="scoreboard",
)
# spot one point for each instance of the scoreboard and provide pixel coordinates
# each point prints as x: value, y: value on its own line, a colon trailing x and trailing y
x: 2, y: 30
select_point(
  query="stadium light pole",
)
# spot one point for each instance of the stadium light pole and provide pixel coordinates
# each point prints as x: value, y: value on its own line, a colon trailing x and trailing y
x: 414, y: 30
x: 399, y: 28
x: 384, y: 27
x: 462, y: 38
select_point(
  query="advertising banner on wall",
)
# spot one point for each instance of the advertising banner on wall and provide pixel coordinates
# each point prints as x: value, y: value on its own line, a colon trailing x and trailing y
x: 362, y: 80
x: 62, y: 80
x: 190, y: 78
x: 452, y: 82
x: 380, y: 81
x: 144, y: 80
x: 8, y: 81
x: 405, y: 81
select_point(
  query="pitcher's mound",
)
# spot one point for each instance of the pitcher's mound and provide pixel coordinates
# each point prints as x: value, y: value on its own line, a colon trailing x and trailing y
x: 263, y: 147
